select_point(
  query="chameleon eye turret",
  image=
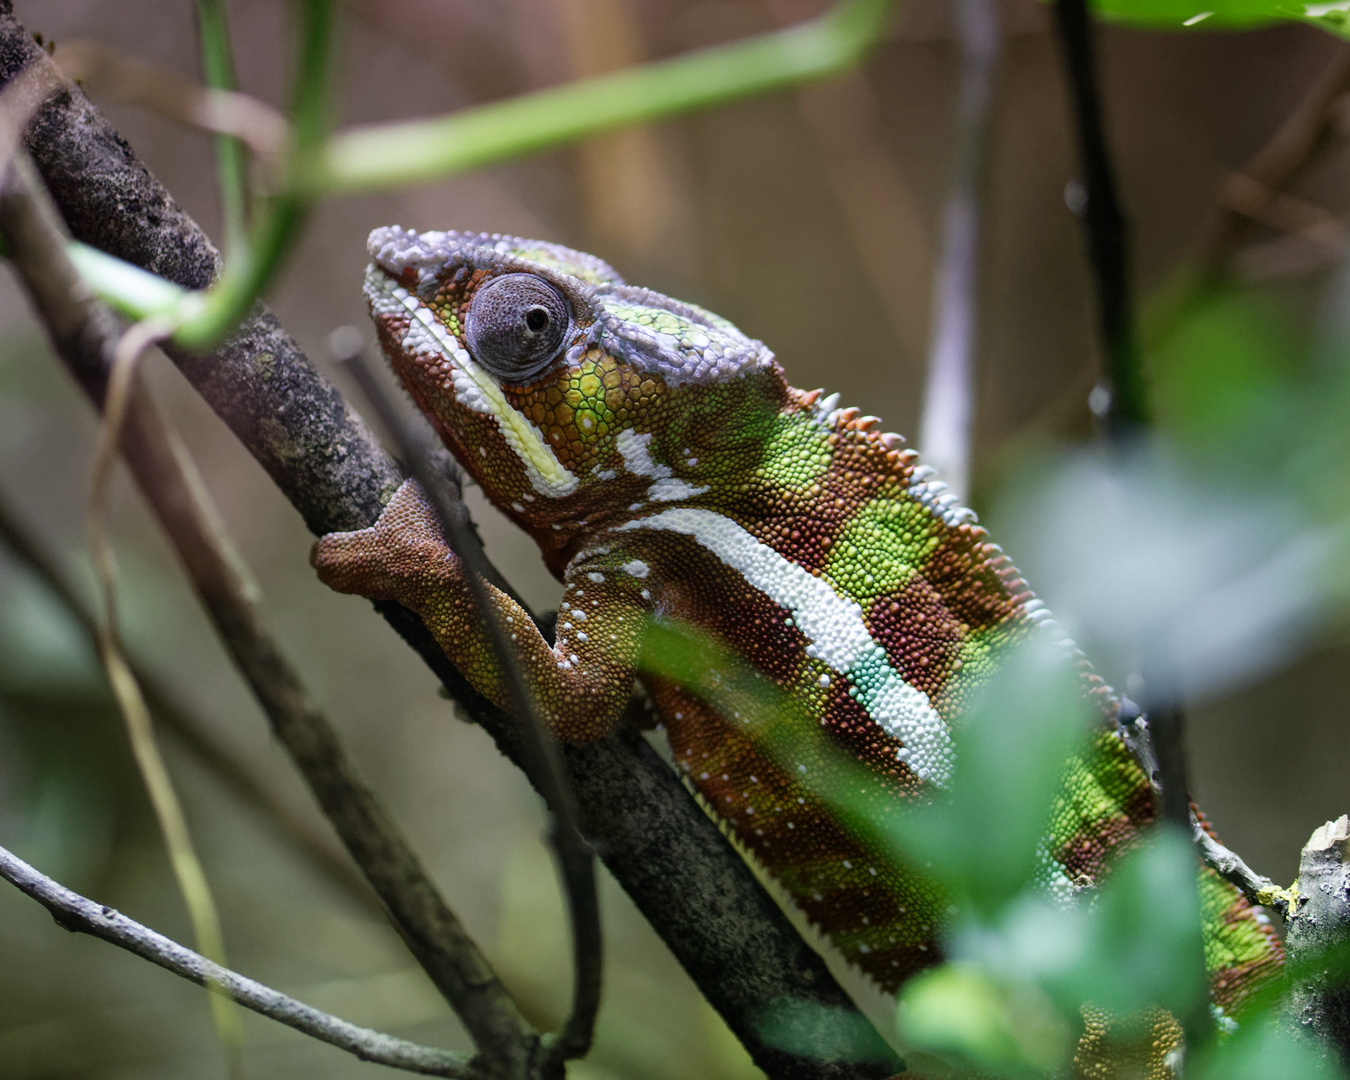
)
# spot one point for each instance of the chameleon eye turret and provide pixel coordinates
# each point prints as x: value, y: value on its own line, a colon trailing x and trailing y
x: 516, y: 325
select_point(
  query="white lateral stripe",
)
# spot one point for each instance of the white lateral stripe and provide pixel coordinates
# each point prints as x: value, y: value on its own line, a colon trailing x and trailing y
x: 835, y: 629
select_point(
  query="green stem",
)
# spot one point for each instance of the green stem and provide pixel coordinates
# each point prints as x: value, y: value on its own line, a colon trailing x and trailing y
x: 403, y: 153
x: 218, y: 68
x: 384, y: 155
x: 246, y: 276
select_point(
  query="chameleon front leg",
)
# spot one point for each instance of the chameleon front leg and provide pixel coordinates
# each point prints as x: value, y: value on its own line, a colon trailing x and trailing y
x: 581, y: 685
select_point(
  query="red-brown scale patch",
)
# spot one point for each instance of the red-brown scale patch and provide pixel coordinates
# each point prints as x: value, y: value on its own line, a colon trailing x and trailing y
x: 784, y: 826
x: 920, y: 634
x: 971, y: 589
x: 804, y: 538
x: 717, y: 599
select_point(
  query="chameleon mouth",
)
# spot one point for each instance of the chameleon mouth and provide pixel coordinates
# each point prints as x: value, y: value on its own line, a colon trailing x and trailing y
x: 438, y: 354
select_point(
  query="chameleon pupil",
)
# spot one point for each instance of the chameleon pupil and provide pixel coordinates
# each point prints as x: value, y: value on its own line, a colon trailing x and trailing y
x: 516, y: 325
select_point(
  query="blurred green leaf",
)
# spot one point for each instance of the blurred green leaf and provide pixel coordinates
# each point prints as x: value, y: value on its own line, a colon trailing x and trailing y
x: 1008, y: 1027
x: 1011, y: 748
x: 808, y: 1030
x: 1144, y: 946
x: 1222, y: 371
x: 1262, y: 1050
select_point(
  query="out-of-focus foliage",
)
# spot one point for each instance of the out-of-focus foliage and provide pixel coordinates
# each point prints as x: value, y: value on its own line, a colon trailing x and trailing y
x: 1215, y: 550
x: 1223, y: 14
x: 1205, y: 556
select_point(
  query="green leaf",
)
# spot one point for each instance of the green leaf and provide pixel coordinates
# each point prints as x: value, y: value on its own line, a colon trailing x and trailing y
x: 1145, y: 946
x: 1011, y: 748
x: 1207, y: 13
x: 814, y: 1031
x: 960, y: 1009
x: 1262, y: 1050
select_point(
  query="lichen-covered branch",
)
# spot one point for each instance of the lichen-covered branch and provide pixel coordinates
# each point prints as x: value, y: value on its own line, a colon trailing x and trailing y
x: 81, y: 915
x: 1319, y: 938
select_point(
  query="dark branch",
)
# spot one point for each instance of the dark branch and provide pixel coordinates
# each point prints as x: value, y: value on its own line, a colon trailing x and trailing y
x: 165, y: 476
x: 1104, y: 223
x: 684, y: 876
x: 539, y: 753
x: 80, y: 915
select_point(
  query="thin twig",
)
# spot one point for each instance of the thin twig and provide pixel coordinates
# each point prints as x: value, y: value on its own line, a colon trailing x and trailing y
x: 192, y: 732
x: 80, y: 915
x: 1251, y: 191
x: 576, y: 862
x: 1136, y: 730
x: 187, y: 867
x: 1104, y: 224
x: 949, y: 392
x: 168, y: 480
x: 1229, y: 865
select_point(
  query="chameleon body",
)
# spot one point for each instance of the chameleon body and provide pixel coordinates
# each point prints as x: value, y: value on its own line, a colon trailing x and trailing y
x: 666, y: 468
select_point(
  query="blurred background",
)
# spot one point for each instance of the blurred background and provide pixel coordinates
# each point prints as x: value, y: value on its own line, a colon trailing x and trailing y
x: 810, y: 219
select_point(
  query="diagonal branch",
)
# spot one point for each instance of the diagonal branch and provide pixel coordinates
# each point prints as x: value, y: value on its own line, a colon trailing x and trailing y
x: 80, y: 915
x: 542, y: 762
x: 232, y: 772
x: 166, y: 477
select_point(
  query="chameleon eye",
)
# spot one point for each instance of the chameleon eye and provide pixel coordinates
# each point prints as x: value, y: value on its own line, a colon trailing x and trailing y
x: 516, y: 325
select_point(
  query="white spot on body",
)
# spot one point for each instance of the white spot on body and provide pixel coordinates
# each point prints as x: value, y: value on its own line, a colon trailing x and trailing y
x: 637, y: 457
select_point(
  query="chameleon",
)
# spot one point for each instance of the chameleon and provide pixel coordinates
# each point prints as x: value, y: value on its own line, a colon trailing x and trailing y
x: 666, y: 469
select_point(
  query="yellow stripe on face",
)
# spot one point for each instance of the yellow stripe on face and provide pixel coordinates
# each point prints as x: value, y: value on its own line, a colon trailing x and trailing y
x: 477, y: 390
x: 548, y: 475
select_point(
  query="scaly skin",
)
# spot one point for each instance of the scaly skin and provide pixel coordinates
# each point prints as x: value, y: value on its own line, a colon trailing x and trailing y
x: 665, y: 467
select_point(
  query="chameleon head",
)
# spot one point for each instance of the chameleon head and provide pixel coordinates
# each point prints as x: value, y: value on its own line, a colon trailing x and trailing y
x: 564, y: 391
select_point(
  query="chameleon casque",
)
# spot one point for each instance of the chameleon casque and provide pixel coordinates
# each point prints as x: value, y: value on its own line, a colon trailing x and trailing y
x: 666, y: 468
